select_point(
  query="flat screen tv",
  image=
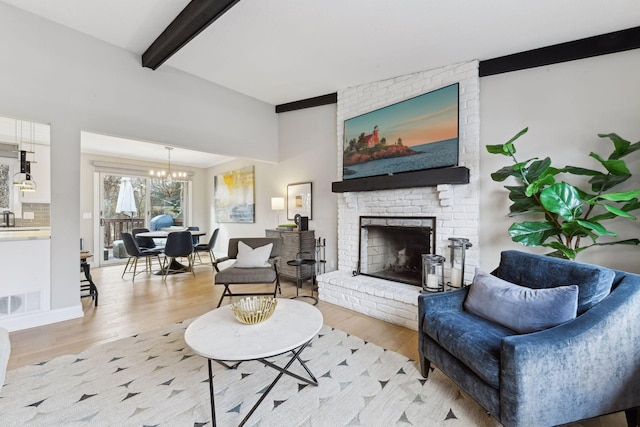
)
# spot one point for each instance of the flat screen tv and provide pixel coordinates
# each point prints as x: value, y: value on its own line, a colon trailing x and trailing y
x: 414, y: 134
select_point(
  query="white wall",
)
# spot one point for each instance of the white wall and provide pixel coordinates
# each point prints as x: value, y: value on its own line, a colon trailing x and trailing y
x: 307, y: 154
x: 55, y: 75
x: 565, y: 106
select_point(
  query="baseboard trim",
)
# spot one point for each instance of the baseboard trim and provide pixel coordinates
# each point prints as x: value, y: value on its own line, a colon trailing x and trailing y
x: 42, y: 318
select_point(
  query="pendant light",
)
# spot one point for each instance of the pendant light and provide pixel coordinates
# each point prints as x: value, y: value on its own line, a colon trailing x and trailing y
x: 23, y: 179
x: 169, y: 176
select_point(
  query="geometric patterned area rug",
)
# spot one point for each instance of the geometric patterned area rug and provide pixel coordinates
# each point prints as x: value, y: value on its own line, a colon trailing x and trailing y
x: 154, y: 379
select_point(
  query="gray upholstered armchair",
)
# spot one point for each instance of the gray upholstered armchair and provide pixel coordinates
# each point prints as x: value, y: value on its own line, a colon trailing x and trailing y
x: 578, y: 369
x: 255, y: 262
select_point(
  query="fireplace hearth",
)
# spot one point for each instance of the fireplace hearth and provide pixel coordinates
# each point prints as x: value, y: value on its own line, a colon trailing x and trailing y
x: 391, y: 248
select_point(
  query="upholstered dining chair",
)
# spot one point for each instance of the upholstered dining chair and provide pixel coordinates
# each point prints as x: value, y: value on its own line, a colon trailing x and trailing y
x: 208, y: 247
x: 179, y: 244
x: 195, y: 239
x: 135, y: 252
x: 144, y: 242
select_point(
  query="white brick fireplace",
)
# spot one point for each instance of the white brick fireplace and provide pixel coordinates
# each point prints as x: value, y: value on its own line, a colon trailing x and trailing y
x: 456, y: 207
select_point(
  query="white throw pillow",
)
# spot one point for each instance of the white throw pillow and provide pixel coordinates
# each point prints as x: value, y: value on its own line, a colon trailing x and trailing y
x: 251, y: 258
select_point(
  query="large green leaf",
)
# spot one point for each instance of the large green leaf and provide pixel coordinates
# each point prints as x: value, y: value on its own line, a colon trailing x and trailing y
x: 606, y: 182
x: 622, y: 196
x: 615, y: 167
x: 618, y: 212
x: 521, y: 202
x: 573, y: 229
x: 538, y: 185
x: 598, y: 228
x: 620, y: 242
x: 504, y: 173
x: 563, y: 199
x: 566, y: 251
x: 536, y: 169
x: 496, y: 149
x: 521, y: 207
x: 531, y: 233
x: 621, y: 146
x: 582, y: 171
x: 506, y: 149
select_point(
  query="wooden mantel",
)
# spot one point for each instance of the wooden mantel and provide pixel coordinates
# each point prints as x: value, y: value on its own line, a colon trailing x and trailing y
x: 422, y: 178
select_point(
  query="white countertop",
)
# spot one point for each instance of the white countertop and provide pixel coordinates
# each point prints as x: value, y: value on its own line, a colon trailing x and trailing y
x: 24, y: 233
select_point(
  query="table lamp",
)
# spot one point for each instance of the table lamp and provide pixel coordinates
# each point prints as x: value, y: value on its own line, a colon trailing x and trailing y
x: 277, y: 204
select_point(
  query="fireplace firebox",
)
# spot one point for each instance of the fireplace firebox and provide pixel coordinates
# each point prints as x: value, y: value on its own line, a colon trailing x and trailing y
x: 391, y: 247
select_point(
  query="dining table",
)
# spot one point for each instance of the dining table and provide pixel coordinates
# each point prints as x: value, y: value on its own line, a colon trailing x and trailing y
x: 175, y: 267
x: 164, y: 233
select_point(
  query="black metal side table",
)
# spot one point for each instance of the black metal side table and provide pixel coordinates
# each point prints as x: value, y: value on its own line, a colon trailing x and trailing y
x: 299, y: 263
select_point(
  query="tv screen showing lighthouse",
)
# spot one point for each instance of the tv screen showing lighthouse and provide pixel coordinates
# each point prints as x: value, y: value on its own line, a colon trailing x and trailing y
x: 414, y: 134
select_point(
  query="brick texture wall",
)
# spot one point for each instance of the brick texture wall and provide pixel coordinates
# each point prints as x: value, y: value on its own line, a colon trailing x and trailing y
x: 456, y: 207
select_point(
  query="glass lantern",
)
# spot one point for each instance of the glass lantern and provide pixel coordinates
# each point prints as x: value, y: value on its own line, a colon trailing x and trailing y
x: 432, y: 273
x: 457, y: 258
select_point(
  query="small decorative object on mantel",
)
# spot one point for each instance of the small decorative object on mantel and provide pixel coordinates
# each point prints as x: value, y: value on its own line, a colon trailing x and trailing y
x: 432, y: 273
x: 457, y: 257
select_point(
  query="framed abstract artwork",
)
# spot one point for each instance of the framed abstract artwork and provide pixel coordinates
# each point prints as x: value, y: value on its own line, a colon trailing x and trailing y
x: 299, y: 200
x: 233, y: 195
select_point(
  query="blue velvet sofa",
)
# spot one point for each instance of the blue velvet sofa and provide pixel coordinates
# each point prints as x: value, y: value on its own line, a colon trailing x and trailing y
x: 579, y: 369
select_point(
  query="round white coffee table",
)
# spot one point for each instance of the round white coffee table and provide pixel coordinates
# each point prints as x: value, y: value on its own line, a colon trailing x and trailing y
x: 218, y: 336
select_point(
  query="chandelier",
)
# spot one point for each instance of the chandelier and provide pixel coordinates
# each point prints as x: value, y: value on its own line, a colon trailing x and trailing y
x: 23, y: 179
x: 169, y: 176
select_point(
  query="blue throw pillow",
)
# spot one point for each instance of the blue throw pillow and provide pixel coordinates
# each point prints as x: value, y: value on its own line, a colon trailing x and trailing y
x: 541, y: 271
x: 519, y: 308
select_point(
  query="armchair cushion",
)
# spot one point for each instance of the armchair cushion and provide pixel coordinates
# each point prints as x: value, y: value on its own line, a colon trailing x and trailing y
x: 519, y: 308
x: 540, y: 271
x: 249, y: 257
x: 473, y: 340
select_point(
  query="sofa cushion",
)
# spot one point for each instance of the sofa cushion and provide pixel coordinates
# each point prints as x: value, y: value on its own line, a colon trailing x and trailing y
x: 249, y: 257
x: 519, y: 308
x: 539, y: 271
x: 474, y: 341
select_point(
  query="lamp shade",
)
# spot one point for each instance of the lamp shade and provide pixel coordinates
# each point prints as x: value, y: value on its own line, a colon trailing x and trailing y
x: 277, y: 203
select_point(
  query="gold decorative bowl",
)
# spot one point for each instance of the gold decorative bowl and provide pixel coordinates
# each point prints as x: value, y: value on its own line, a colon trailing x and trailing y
x: 254, y: 310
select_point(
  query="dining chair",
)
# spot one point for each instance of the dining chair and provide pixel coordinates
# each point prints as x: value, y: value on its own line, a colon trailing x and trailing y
x: 143, y: 242
x: 208, y: 247
x: 195, y: 239
x: 135, y: 252
x: 179, y: 244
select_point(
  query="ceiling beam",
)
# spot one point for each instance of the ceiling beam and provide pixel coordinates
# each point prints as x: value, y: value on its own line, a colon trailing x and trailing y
x: 604, y: 44
x: 193, y: 19
x: 317, y: 101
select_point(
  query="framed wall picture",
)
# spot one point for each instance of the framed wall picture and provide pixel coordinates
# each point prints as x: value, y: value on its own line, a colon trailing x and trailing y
x: 234, y: 195
x: 414, y: 134
x: 299, y: 200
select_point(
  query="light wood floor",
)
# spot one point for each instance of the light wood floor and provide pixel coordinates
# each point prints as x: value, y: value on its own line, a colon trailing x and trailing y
x: 128, y: 307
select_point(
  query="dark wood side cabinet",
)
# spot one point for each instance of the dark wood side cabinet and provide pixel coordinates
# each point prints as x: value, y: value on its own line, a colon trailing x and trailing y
x: 294, y: 242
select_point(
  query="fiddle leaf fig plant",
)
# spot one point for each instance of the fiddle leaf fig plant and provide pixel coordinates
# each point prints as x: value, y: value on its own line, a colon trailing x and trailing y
x: 568, y: 215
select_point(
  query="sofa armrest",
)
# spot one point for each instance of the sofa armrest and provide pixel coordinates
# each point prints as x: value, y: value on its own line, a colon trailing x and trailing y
x: 581, y: 369
x: 441, y: 301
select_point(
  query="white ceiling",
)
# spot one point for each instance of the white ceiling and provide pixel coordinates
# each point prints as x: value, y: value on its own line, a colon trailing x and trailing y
x: 281, y: 51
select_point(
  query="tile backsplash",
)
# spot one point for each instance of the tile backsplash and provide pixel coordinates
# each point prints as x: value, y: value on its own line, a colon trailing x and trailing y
x: 35, y: 215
